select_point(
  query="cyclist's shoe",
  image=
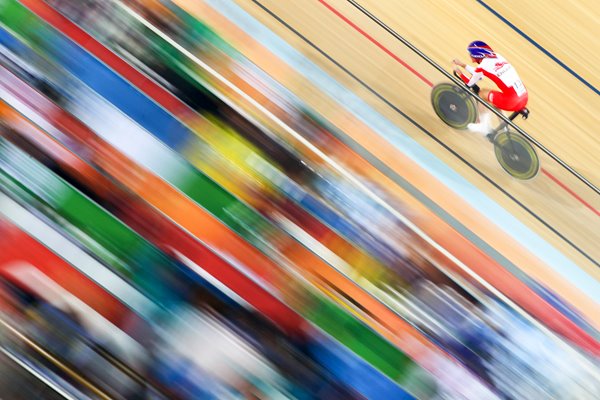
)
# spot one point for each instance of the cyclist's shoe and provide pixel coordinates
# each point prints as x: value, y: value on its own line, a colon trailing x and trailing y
x: 491, y: 136
x: 483, y: 127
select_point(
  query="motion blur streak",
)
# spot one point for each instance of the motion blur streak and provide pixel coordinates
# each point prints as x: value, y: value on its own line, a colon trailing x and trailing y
x: 175, y: 223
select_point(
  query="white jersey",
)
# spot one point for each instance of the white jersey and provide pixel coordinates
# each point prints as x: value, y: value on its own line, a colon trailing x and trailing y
x: 500, y: 71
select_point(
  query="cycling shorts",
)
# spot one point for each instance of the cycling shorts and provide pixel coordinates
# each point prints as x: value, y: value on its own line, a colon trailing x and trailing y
x: 508, y: 101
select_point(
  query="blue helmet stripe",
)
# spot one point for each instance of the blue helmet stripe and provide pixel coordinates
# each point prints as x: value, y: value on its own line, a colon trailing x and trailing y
x: 478, y: 52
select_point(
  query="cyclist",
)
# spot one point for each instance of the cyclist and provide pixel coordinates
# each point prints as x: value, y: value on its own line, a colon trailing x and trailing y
x: 512, y: 95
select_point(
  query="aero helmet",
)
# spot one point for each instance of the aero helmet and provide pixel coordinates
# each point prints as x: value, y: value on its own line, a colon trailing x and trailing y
x: 479, y: 50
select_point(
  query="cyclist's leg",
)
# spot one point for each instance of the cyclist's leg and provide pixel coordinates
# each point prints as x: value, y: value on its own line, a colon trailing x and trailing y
x: 521, y: 103
x: 507, y: 101
x: 485, y: 94
x: 484, y: 125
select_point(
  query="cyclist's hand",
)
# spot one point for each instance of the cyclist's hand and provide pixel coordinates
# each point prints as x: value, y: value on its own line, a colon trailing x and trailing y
x: 456, y: 61
x: 457, y: 71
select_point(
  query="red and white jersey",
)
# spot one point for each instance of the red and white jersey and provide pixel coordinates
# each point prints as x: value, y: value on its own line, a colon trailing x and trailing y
x: 501, y: 72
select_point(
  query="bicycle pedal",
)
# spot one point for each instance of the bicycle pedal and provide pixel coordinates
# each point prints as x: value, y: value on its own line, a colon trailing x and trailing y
x: 490, y: 137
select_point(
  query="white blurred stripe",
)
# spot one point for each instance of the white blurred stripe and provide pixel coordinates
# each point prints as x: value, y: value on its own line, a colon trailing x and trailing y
x: 211, y: 279
x: 39, y: 376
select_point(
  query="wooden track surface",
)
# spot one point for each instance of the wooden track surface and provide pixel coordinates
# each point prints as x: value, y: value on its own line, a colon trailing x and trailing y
x: 566, y: 29
x: 562, y: 107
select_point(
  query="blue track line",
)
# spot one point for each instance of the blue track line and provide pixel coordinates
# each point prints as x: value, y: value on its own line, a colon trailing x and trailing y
x: 539, y: 46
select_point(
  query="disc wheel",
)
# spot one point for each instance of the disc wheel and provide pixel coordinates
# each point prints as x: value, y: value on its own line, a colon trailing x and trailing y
x: 455, y: 107
x: 516, y: 155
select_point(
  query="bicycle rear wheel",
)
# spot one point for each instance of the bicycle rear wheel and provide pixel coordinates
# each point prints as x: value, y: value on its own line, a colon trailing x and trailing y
x: 516, y: 155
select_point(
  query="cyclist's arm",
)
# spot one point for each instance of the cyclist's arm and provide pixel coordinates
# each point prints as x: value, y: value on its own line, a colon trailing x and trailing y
x: 476, y: 75
x: 462, y: 76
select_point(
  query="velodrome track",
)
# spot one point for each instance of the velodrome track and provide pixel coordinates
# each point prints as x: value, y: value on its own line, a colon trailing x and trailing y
x: 395, y: 81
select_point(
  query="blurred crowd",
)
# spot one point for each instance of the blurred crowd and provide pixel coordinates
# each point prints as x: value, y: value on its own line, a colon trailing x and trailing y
x: 274, y: 191
x: 214, y: 348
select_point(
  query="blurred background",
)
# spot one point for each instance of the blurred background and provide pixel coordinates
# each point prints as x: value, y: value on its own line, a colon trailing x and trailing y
x: 219, y: 199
